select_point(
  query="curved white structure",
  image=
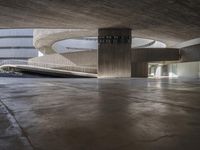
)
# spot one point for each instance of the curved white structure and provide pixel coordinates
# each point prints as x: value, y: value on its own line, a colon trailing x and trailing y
x: 191, y: 42
x: 45, y: 38
x: 91, y: 43
x: 50, y: 41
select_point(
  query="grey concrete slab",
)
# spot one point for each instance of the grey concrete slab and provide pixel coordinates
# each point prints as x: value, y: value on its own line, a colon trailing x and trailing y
x: 171, y: 21
x: 100, y: 114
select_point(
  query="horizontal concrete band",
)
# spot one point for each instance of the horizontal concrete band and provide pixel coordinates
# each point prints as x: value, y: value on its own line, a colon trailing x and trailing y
x: 190, y: 53
x: 155, y: 54
x: 89, y: 58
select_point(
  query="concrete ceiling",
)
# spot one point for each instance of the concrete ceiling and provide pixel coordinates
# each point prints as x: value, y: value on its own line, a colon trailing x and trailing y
x: 171, y: 21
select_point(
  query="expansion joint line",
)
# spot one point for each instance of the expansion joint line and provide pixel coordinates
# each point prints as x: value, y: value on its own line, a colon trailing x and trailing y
x: 11, y: 114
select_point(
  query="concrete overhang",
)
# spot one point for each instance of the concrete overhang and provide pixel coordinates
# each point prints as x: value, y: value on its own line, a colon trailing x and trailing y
x: 170, y: 21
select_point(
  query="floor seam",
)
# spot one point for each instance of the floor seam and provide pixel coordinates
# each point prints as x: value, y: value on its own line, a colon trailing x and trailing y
x: 20, y: 127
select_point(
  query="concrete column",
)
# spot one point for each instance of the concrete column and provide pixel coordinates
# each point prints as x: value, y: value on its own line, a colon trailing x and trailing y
x: 114, y: 53
x: 139, y: 69
x: 139, y: 65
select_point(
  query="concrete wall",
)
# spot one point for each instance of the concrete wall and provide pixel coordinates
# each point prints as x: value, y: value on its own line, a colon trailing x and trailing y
x: 190, y: 53
x: 185, y: 70
x: 188, y: 70
x: 52, y: 60
x: 83, y: 58
x: 139, y: 69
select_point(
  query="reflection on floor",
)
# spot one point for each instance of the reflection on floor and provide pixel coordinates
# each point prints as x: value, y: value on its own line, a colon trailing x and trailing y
x: 99, y: 114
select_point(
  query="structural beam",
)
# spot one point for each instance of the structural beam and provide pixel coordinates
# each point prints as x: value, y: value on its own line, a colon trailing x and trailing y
x: 154, y: 54
x: 190, y: 53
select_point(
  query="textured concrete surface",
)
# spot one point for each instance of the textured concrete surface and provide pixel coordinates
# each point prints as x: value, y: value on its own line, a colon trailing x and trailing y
x: 43, y: 39
x: 114, y: 57
x: 190, y: 53
x: 169, y: 20
x: 139, y: 69
x: 88, y: 58
x: 62, y: 72
x: 154, y: 54
x: 88, y: 114
x: 82, y: 58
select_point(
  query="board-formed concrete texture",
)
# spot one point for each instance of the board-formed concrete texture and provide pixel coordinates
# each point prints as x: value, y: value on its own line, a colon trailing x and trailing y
x: 170, y: 21
x: 155, y: 54
x: 114, y: 53
x: 99, y: 114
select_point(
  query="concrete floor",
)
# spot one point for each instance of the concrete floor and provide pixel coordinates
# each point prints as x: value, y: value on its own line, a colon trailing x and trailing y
x: 92, y: 114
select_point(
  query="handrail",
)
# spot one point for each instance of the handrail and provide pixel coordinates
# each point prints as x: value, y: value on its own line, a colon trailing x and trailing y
x: 50, y: 65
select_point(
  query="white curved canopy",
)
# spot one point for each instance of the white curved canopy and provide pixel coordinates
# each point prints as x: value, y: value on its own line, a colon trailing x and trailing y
x: 91, y: 43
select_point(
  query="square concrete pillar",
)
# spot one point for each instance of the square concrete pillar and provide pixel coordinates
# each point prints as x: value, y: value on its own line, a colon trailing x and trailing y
x: 114, y: 53
x: 139, y: 69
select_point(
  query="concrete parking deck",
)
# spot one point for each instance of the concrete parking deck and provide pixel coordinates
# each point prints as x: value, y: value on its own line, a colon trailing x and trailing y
x: 99, y: 114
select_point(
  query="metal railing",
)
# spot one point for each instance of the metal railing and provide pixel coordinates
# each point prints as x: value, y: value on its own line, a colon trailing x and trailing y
x: 49, y: 66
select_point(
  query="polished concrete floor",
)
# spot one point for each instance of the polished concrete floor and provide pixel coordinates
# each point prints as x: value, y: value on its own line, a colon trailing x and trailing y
x: 94, y: 114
